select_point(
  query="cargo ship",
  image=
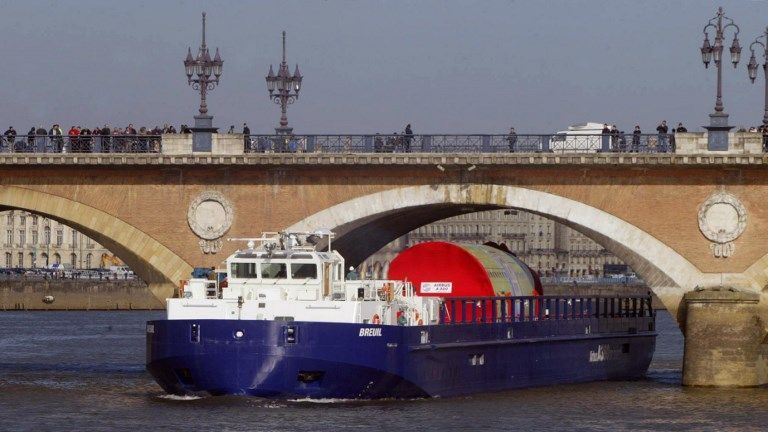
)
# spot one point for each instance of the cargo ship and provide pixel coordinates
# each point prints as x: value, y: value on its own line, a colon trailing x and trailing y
x: 283, y: 320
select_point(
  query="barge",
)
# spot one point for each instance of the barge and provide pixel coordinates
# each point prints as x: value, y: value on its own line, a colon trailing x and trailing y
x: 282, y: 320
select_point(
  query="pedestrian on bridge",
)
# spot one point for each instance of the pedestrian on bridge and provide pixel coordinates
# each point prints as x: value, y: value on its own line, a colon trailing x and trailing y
x: 681, y: 128
x: 246, y: 137
x: 408, y: 138
x: 512, y: 139
x: 636, y: 138
x: 10, y: 137
x: 662, y: 130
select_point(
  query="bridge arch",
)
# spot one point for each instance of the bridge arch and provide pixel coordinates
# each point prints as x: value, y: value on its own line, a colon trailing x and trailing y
x: 365, y: 224
x: 154, y: 263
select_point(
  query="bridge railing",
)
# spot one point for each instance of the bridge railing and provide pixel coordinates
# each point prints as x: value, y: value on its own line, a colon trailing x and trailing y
x: 435, y: 143
x: 376, y: 143
x: 140, y: 143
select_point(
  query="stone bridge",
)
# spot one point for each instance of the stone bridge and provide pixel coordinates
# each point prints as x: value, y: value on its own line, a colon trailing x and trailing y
x: 680, y: 221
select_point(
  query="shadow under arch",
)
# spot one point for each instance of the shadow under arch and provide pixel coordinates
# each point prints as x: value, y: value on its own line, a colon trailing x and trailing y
x: 365, y: 224
x: 154, y: 263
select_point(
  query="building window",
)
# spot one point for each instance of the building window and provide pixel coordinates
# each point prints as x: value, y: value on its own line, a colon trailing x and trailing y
x: 22, y: 220
x: 88, y: 259
x: 34, y: 220
x: 47, y: 235
x: 74, y: 238
x: 56, y: 258
x: 9, y: 237
x: 22, y: 237
x: 8, y: 260
x: 21, y: 259
x: 9, y: 218
x: 34, y: 237
x: 59, y: 237
x: 73, y: 260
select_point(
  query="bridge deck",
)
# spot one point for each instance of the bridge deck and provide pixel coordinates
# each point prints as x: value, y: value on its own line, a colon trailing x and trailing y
x: 283, y: 159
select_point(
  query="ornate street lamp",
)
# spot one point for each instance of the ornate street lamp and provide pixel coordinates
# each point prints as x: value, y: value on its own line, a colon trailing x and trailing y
x: 718, y: 121
x: 284, y: 90
x: 752, y: 69
x: 207, y: 73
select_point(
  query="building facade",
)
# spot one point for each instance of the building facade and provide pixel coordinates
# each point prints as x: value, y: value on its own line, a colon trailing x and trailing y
x: 546, y: 246
x: 33, y: 241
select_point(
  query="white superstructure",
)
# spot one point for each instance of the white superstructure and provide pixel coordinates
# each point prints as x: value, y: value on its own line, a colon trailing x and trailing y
x: 287, y: 279
x: 581, y: 137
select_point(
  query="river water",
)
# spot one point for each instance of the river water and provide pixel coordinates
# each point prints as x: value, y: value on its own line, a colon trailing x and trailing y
x: 85, y: 371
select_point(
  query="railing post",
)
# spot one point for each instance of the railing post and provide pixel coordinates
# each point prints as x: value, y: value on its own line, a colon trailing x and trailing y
x: 368, y: 144
x: 485, y: 147
x: 426, y: 143
x: 606, y: 143
x: 310, y: 143
x: 544, y: 141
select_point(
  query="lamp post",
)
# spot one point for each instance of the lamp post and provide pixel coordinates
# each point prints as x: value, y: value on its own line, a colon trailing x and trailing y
x: 752, y: 69
x: 284, y: 90
x: 718, y: 121
x: 207, y: 74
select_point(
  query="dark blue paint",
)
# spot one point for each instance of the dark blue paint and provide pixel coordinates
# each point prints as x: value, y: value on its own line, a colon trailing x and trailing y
x: 334, y: 361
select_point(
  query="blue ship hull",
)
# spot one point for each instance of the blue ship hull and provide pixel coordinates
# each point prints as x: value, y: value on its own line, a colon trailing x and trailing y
x: 278, y: 359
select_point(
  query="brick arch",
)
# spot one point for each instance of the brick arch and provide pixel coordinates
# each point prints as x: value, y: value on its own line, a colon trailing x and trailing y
x: 379, y: 218
x: 154, y: 263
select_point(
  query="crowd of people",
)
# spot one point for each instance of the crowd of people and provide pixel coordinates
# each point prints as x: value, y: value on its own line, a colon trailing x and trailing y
x: 78, y: 139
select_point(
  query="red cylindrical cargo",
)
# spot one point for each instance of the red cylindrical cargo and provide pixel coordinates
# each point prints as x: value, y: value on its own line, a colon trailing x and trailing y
x: 442, y: 269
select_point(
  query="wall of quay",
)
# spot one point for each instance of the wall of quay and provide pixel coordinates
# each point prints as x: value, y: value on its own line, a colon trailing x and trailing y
x: 77, y: 294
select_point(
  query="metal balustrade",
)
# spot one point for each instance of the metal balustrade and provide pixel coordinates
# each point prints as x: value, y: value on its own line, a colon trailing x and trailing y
x: 463, y: 310
x: 376, y: 143
x: 400, y: 143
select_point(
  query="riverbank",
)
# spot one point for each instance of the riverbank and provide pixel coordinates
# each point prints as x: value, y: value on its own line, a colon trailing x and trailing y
x: 84, y: 294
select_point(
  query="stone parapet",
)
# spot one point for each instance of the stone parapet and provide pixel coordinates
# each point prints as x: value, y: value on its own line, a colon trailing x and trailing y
x: 695, y: 143
x: 177, y: 144
x: 228, y: 144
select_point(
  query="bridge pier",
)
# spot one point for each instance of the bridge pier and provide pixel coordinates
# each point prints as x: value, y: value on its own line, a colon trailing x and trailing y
x: 724, y: 339
x: 162, y: 290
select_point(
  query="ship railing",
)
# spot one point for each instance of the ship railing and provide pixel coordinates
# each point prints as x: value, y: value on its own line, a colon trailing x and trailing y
x: 463, y: 310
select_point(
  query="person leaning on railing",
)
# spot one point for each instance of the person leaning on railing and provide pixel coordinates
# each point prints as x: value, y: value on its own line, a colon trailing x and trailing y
x: 57, y: 138
x: 10, y: 137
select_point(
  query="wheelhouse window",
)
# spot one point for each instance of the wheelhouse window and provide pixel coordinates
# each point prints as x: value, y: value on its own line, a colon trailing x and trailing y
x: 274, y: 270
x: 303, y: 271
x: 244, y: 270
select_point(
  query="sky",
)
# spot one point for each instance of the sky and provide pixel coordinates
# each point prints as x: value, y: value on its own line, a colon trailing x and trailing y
x: 444, y: 66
